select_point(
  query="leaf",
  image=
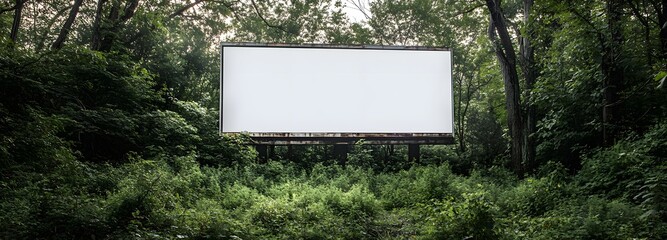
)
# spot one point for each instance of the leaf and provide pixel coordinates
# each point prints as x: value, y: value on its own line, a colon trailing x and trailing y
x: 647, y: 214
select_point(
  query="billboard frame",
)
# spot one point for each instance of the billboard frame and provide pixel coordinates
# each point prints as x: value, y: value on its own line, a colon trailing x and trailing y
x: 296, y: 138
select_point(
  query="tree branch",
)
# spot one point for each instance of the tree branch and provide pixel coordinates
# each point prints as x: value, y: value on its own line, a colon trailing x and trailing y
x: 96, y: 36
x: 181, y: 10
x: 658, y: 11
x: 3, y: 10
x: 279, y: 27
x: 231, y: 8
x: 16, y: 23
x: 634, y: 9
x: 177, y: 13
x: 130, y: 9
x: 497, y: 48
x: 361, y: 7
x: 64, y: 31
x: 52, y: 21
x: 469, y: 10
x: 587, y: 22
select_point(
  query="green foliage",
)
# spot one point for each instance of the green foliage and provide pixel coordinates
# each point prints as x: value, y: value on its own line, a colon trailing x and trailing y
x: 172, y: 197
x: 535, y: 197
x: 471, y: 218
x: 621, y: 171
x: 123, y: 143
x: 174, y: 136
x: 417, y: 185
x: 590, y: 218
x: 362, y: 157
x: 632, y: 170
x: 486, y: 139
x: 438, y: 154
x: 32, y: 142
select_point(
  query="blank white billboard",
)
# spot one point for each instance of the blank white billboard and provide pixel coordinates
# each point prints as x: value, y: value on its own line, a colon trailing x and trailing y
x: 269, y: 89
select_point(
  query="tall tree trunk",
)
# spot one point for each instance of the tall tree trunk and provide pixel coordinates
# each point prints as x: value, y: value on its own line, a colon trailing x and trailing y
x: 507, y: 59
x: 108, y: 35
x: 104, y: 38
x: 51, y: 22
x: 64, y: 31
x: 647, y: 28
x: 612, y: 72
x: 528, y: 60
x: 96, y: 36
x: 662, y: 22
x: 16, y: 24
x: 459, y: 120
x: 460, y: 124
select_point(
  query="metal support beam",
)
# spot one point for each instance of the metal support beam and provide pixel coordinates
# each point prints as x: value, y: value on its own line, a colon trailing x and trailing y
x: 290, y: 152
x: 272, y: 152
x: 340, y: 152
x: 262, y: 153
x: 413, y: 153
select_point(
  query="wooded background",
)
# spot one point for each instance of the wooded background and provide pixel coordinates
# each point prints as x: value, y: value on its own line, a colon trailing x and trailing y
x: 108, y: 123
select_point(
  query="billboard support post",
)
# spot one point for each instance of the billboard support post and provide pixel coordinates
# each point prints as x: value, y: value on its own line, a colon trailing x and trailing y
x: 340, y: 152
x: 262, y: 155
x: 290, y: 152
x: 272, y: 151
x: 413, y: 153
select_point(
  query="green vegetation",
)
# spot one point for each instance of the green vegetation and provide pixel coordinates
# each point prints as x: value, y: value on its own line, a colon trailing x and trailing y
x: 175, y: 197
x: 108, y: 124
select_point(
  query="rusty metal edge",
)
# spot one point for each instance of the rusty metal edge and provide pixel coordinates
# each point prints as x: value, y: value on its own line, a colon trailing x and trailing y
x: 338, y: 135
x: 221, y: 89
x: 352, y: 140
x: 347, y: 138
x: 332, y: 46
x: 451, y: 89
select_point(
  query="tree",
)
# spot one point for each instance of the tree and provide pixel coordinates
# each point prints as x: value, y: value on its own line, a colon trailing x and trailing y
x: 67, y: 26
x: 660, y: 7
x: 506, y: 56
x: 612, y: 71
x: 526, y: 51
x: 106, y: 27
x: 16, y: 23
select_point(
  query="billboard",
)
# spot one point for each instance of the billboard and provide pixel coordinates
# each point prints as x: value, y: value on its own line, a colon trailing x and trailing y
x: 309, y: 94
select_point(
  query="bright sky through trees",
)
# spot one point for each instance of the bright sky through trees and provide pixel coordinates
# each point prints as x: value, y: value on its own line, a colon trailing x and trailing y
x: 356, y: 10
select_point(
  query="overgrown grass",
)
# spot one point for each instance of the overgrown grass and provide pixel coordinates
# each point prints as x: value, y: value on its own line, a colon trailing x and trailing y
x: 618, y: 194
x: 177, y: 198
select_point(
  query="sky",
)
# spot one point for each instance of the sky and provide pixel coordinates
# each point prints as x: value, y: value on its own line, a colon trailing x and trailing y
x: 353, y: 12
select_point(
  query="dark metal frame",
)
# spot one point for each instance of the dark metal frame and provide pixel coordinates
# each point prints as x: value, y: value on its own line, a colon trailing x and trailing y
x: 338, y: 138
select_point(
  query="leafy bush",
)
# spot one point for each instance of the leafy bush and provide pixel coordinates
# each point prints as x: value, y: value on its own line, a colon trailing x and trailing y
x: 632, y: 170
x: 470, y: 218
x: 590, y: 218
x: 361, y: 156
x: 534, y: 197
x: 417, y: 185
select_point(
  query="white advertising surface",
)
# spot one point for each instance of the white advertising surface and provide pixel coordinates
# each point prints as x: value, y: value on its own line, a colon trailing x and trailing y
x: 269, y: 89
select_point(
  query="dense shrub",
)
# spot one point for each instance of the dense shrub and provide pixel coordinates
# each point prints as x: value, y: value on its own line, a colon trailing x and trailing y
x: 620, y: 171
x: 416, y: 185
x: 534, y: 197
x: 470, y: 218
x: 632, y: 170
x: 175, y: 197
x: 589, y: 218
